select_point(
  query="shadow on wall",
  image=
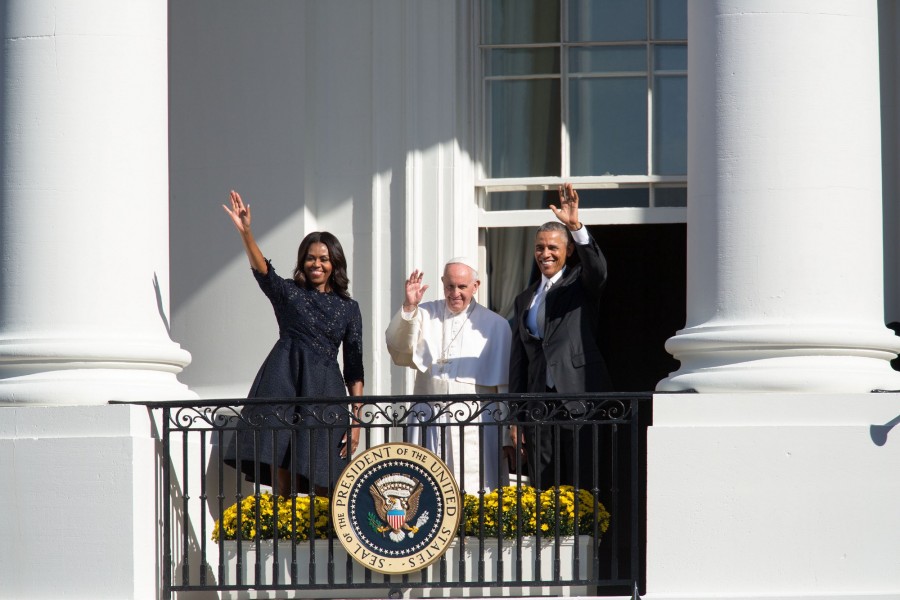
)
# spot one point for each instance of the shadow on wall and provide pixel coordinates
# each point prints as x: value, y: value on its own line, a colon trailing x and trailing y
x: 236, y: 106
x: 160, y: 305
x: 185, y: 538
x: 254, y: 104
x: 279, y: 102
x: 879, y: 433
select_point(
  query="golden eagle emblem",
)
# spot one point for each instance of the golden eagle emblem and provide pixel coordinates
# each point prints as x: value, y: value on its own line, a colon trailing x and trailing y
x: 397, y: 502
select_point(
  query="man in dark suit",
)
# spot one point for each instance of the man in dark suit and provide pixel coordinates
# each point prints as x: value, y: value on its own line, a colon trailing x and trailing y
x: 555, y: 347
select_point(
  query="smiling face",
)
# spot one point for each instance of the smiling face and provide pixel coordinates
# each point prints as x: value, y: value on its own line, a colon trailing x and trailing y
x: 460, y: 286
x: 551, y: 248
x: 317, y: 266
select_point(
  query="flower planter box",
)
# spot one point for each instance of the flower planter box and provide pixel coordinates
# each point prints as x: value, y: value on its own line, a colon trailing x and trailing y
x: 533, y: 578
x: 529, y: 578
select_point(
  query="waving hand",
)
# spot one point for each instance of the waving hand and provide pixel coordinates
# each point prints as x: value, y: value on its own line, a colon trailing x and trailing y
x: 568, y: 210
x: 414, y: 290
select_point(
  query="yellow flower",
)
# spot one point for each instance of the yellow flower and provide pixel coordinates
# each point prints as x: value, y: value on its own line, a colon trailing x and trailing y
x: 505, y: 510
x: 289, y: 518
x: 501, y: 512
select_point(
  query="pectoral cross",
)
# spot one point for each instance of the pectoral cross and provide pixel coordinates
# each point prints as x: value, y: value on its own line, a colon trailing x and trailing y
x: 443, y: 362
x: 444, y: 359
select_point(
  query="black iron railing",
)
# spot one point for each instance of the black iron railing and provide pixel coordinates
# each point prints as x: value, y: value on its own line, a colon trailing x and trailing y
x: 523, y: 528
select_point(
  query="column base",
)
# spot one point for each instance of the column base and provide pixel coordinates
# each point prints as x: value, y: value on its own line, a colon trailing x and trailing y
x: 783, y: 358
x: 92, y: 386
x: 84, y: 372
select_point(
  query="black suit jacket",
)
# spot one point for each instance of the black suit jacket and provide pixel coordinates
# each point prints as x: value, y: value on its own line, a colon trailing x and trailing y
x: 569, y: 346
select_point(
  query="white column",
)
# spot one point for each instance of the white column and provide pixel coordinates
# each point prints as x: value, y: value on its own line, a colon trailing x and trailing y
x: 84, y: 203
x: 784, y: 250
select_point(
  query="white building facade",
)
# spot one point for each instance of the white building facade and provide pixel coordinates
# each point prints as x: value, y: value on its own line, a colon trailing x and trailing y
x: 738, y: 161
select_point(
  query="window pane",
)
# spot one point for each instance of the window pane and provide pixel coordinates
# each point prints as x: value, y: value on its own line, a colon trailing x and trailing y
x: 525, y: 200
x: 613, y: 198
x: 670, y: 19
x: 539, y: 61
x: 670, y: 125
x: 540, y: 199
x: 670, y: 197
x: 520, y: 21
x: 510, y: 259
x: 608, y: 126
x: 607, y: 59
x: 525, y: 128
x: 670, y: 58
x: 607, y: 21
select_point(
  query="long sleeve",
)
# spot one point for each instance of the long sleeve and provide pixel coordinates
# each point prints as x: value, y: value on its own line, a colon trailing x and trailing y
x: 518, y: 360
x: 353, y: 350
x: 401, y: 337
x: 593, y: 268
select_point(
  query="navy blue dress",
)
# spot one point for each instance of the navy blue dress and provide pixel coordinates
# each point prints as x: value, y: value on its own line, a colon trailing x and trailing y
x: 312, y: 325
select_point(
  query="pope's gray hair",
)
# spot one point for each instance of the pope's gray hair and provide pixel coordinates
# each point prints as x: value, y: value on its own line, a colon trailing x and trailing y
x: 464, y: 262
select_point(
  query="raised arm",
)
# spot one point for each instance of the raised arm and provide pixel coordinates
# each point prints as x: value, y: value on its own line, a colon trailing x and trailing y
x: 402, y: 333
x: 593, y: 263
x: 240, y: 215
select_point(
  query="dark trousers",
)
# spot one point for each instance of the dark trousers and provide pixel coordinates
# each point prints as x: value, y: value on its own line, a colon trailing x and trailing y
x: 562, y: 452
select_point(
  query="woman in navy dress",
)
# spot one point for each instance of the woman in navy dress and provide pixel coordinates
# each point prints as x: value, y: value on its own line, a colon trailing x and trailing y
x: 315, y: 317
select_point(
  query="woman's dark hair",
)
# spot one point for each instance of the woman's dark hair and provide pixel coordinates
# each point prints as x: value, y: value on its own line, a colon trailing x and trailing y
x: 338, y: 280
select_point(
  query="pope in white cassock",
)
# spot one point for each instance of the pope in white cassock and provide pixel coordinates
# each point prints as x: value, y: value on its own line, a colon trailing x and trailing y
x: 456, y: 346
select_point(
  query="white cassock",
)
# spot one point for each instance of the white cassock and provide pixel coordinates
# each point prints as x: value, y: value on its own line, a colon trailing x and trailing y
x: 466, y: 353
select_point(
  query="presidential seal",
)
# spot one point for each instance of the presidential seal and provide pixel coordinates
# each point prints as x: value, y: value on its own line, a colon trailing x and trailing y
x: 396, y: 508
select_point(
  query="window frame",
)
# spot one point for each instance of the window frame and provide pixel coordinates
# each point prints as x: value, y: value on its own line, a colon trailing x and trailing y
x: 593, y: 216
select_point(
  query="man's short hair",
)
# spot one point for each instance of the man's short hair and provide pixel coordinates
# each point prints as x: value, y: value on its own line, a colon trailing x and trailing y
x: 555, y: 226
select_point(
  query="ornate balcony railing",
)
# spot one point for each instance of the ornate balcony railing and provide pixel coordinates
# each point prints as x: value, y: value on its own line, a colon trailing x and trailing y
x: 522, y: 528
